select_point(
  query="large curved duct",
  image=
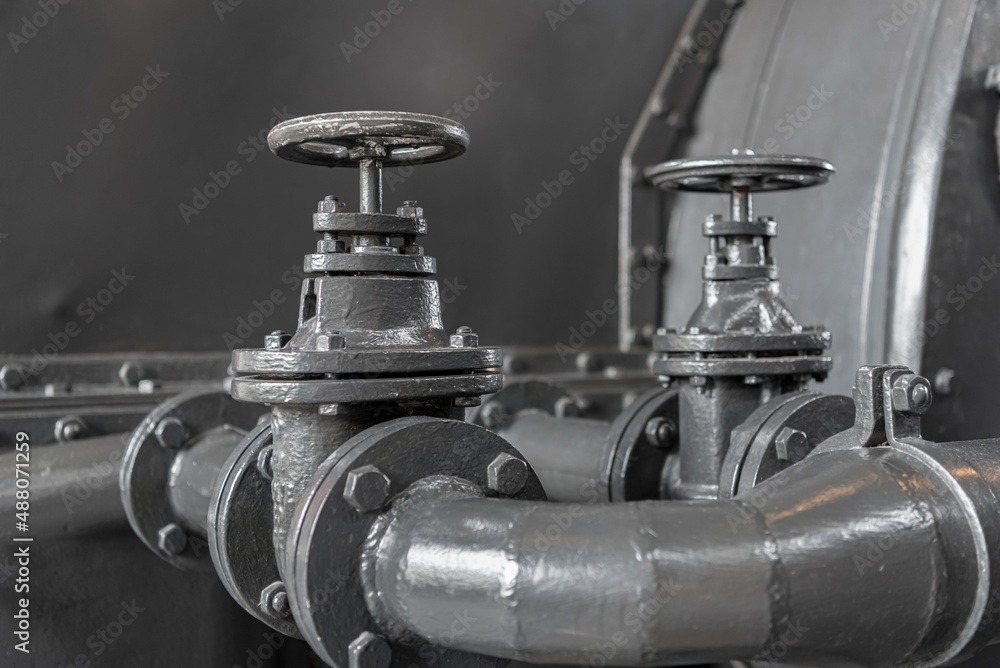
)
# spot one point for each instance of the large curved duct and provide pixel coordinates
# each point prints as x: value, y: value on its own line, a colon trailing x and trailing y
x: 865, y: 557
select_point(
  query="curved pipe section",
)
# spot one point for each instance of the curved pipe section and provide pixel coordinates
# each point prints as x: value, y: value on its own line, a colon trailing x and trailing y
x: 569, y: 455
x: 867, y: 557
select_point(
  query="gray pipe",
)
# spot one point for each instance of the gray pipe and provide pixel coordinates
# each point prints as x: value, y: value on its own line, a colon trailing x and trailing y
x: 568, y: 454
x: 73, y: 487
x: 861, y: 558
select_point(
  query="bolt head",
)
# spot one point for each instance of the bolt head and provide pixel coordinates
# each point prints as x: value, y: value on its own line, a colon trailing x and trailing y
x: 264, y: 462
x: 791, y: 445
x: 506, y: 474
x: 566, y: 407
x: 331, y: 204
x: 274, y: 600
x: 331, y: 246
x: 11, y: 377
x: 276, y: 340
x: 130, y: 374
x: 369, y: 651
x: 70, y: 428
x: 410, y: 210
x: 661, y: 432
x: 367, y: 488
x: 170, y: 432
x: 911, y: 394
x: 944, y: 381
x: 332, y: 341
x: 493, y: 414
x: 464, y: 338
x: 589, y: 362
x: 172, y: 539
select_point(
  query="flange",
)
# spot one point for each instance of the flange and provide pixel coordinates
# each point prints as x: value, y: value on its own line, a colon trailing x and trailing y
x: 779, y: 434
x: 240, y: 525
x: 175, y: 425
x: 344, y: 499
x: 635, y: 456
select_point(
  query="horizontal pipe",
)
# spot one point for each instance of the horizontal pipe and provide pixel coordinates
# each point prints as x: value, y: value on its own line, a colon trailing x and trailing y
x: 856, y: 558
x: 568, y: 454
x: 73, y: 487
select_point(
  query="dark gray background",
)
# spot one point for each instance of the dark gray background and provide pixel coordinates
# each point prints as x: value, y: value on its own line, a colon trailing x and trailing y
x: 119, y: 208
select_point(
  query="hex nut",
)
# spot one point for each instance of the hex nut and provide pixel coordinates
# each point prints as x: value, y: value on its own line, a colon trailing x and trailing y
x: 565, y: 407
x: 367, y: 488
x: 331, y: 204
x: 170, y: 432
x: 369, y: 651
x: 11, y: 377
x: 791, y: 445
x: 276, y: 340
x: 130, y: 374
x: 172, y: 539
x: 661, y: 432
x: 274, y: 600
x: 333, y: 341
x: 506, y: 474
x: 944, y: 381
x: 70, y: 428
x: 589, y: 362
x: 410, y: 209
x: 493, y: 414
x: 464, y: 338
x: 911, y: 394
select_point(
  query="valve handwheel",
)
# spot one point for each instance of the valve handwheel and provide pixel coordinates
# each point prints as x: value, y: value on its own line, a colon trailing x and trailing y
x: 756, y: 173
x: 740, y: 174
